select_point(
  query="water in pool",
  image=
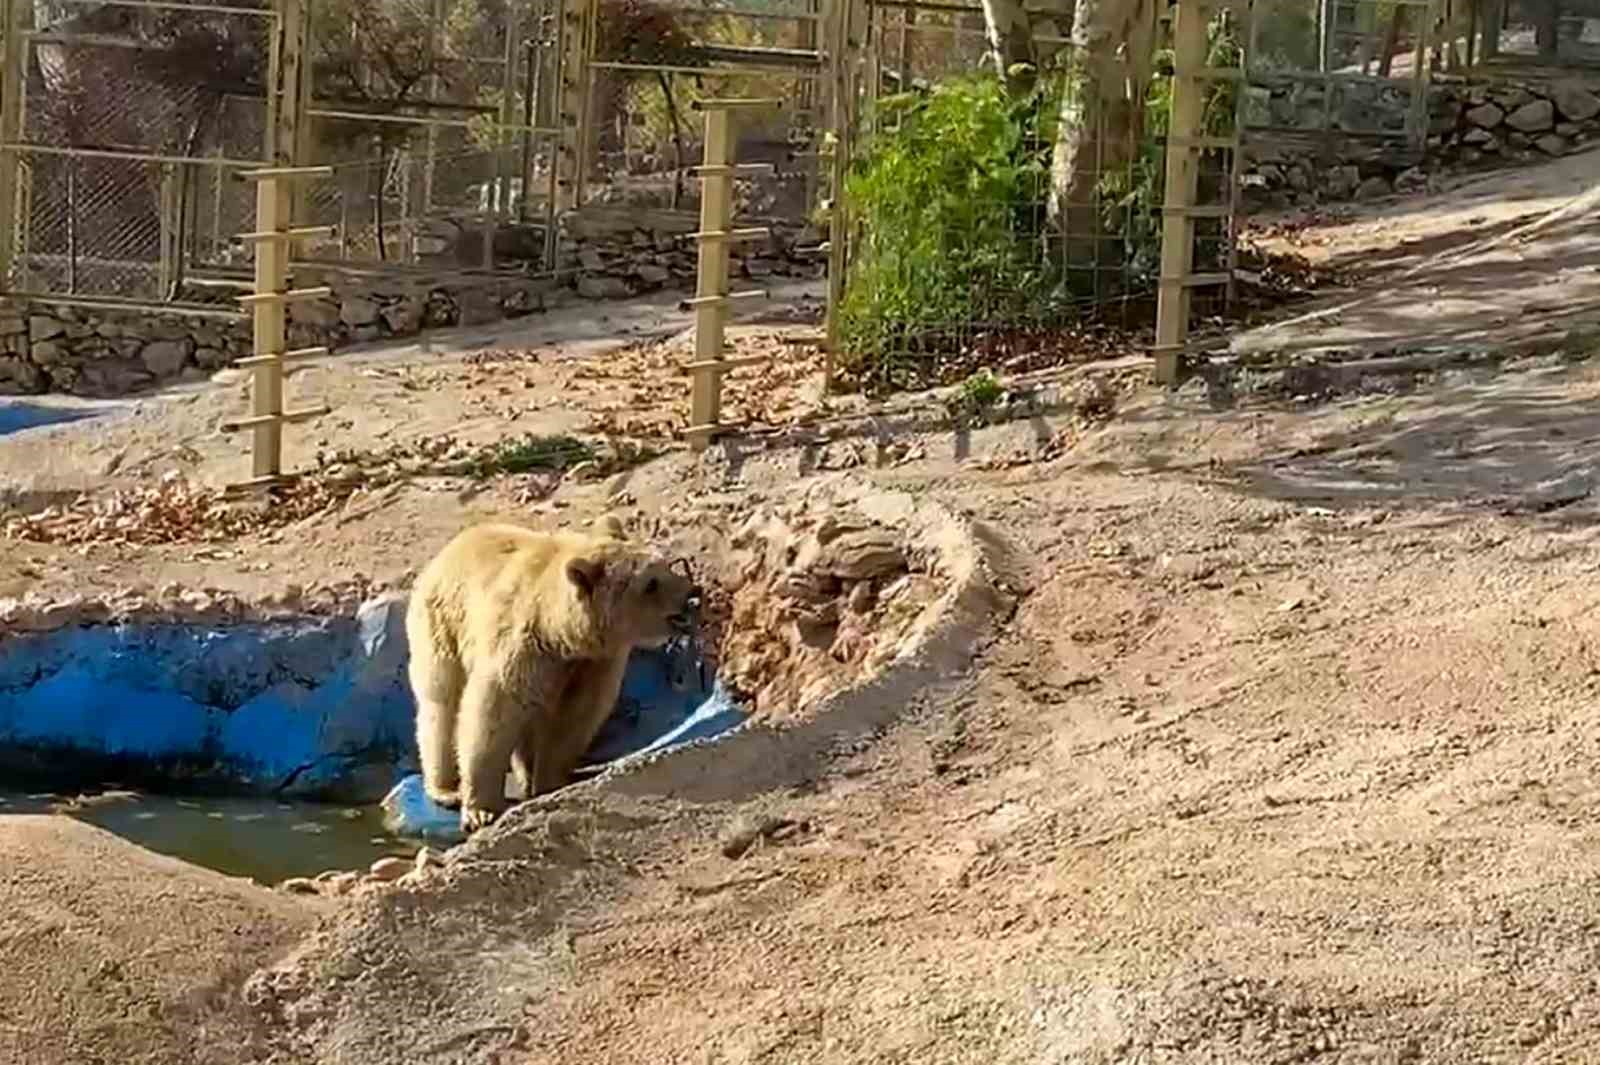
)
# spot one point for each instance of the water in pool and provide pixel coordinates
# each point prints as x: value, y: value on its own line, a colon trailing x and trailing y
x: 264, y: 839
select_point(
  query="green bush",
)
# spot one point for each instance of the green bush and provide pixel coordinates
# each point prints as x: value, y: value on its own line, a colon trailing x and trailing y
x: 944, y: 205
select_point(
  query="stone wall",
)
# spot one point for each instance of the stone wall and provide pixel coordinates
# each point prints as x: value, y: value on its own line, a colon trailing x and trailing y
x: 604, y: 254
x: 1470, y: 125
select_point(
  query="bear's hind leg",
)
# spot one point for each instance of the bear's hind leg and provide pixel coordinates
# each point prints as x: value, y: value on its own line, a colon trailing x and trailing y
x: 487, y: 730
x: 525, y: 759
x: 587, y: 701
x: 436, y: 683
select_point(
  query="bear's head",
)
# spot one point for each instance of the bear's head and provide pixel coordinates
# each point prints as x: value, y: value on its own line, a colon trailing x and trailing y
x: 638, y: 598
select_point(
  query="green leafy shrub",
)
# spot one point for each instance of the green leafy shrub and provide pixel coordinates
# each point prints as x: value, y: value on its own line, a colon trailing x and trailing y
x: 945, y: 206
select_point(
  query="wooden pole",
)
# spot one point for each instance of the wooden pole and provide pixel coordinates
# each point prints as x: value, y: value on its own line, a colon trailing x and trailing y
x: 841, y: 108
x: 272, y: 238
x: 1177, y: 227
x: 272, y: 275
x: 710, y: 318
x: 712, y: 297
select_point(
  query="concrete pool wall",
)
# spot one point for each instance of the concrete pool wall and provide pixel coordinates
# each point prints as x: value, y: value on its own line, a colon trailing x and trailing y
x: 308, y: 706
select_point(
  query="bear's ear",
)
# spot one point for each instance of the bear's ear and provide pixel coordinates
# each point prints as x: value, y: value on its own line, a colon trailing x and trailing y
x: 586, y: 573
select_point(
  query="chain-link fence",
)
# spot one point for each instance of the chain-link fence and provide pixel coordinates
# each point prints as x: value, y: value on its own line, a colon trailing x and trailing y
x: 134, y: 120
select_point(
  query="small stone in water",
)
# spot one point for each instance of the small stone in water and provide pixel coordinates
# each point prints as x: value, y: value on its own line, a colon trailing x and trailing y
x: 299, y: 885
x: 390, y: 868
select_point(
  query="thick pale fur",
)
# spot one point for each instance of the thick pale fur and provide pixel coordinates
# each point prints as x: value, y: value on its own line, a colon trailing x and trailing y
x: 519, y: 640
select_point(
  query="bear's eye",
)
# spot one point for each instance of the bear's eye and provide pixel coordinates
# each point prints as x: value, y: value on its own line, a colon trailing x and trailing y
x: 651, y: 585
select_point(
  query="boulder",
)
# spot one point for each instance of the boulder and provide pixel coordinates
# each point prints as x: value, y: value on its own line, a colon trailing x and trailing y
x: 165, y: 358
x: 596, y: 287
x: 1576, y: 103
x: 1486, y: 116
x: 1342, y: 181
x: 356, y: 311
x: 1534, y: 117
x: 1551, y: 144
x: 43, y: 327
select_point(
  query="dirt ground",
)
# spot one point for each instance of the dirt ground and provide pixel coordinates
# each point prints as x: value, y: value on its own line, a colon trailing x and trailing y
x: 114, y: 954
x: 1286, y: 756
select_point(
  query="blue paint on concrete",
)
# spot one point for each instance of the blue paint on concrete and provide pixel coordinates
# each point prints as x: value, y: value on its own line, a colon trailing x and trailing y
x: 407, y: 810
x: 315, y: 708
x: 17, y: 415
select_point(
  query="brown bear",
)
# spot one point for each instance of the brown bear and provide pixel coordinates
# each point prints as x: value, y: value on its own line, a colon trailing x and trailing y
x: 519, y: 640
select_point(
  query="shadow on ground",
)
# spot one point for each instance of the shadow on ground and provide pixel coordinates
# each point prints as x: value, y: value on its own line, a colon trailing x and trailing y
x: 1520, y: 442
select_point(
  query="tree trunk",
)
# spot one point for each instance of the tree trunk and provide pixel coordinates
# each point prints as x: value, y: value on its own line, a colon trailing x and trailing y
x: 1011, y: 47
x: 664, y: 80
x: 1101, y: 121
x: 377, y: 206
x: 1391, y: 41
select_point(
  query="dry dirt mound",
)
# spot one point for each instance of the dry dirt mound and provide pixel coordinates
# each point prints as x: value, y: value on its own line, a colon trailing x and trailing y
x: 115, y: 954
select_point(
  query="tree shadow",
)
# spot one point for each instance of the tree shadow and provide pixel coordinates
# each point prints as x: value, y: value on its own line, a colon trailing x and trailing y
x: 1521, y: 442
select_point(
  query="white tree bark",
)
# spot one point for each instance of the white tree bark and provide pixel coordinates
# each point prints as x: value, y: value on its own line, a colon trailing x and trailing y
x: 1102, y: 114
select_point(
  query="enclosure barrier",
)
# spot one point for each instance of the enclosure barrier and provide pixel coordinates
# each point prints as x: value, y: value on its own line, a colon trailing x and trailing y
x: 1179, y: 211
x: 711, y: 298
x: 271, y: 240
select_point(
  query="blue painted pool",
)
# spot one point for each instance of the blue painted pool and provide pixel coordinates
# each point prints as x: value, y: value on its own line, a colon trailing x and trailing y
x: 17, y: 415
x: 309, y: 708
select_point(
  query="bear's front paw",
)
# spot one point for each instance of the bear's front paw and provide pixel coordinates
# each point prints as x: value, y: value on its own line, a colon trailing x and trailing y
x: 476, y: 817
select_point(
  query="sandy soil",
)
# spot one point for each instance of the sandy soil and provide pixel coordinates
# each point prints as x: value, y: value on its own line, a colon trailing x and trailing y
x: 115, y: 954
x: 1286, y: 757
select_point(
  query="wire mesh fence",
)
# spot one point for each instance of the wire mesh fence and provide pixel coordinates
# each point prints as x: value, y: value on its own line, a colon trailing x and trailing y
x: 1003, y: 230
x: 134, y: 120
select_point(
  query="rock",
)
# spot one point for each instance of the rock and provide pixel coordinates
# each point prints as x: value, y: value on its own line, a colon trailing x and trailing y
x: 861, y: 555
x: 211, y: 358
x: 1534, y: 117
x: 1519, y: 140
x: 390, y: 868
x: 1271, y: 174
x: 17, y: 375
x: 591, y: 259
x: 43, y: 327
x: 1551, y: 144
x: 1575, y: 102
x: 651, y: 274
x: 299, y: 885
x: 744, y: 832
x: 342, y: 883
x: 1512, y: 98
x: 357, y: 311
x: 401, y: 318
x: 12, y: 325
x: 319, y: 314
x: 1481, y: 138
x: 1373, y: 188
x: 861, y: 598
x: 1341, y: 181
x: 1411, y: 180
x: 1568, y: 129
x: 427, y: 858
x: 1486, y: 116
x: 595, y: 287
x: 164, y: 358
